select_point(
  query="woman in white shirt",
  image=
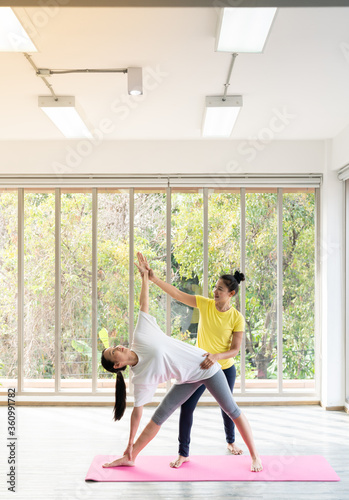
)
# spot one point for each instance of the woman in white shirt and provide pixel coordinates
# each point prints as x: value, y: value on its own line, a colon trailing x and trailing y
x: 154, y: 358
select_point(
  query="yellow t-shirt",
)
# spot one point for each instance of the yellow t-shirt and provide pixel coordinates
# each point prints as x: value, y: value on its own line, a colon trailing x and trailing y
x: 216, y: 328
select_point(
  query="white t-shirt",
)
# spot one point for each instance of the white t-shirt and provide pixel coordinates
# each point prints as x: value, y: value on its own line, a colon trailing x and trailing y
x: 161, y: 358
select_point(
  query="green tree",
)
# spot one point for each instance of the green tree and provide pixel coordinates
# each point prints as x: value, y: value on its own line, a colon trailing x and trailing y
x: 186, y: 268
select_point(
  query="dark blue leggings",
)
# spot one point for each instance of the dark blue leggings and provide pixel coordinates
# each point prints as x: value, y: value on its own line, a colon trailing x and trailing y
x: 187, y: 410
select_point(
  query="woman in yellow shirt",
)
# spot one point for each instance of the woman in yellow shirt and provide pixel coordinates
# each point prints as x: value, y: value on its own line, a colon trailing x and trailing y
x: 220, y: 331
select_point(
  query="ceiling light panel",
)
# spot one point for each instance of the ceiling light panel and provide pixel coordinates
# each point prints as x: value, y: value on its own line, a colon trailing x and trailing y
x: 13, y: 37
x: 65, y: 115
x: 221, y: 115
x: 243, y: 29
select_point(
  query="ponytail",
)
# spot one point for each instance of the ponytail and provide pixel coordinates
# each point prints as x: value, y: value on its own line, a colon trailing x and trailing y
x: 120, y: 387
x: 120, y: 396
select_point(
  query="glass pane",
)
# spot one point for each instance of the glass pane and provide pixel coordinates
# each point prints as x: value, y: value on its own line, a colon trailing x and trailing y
x: 150, y: 239
x: 39, y: 290
x: 8, y: 288
x: 261, y: 291
x: 298, y: 290
x: 112, y: 275
x: 76, y: 280
x: 186, y: 260
x: 224, y: 243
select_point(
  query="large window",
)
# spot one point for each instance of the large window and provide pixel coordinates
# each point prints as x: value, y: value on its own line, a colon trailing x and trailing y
x: 39, y: 290
x: 186, y: 259
x: 76, y: 281
x: 150, y: 238
x: 224, y: 244
x: 298, y: 303
x: 113, y: 235
x: 261, y: 290
x: 69, y: 288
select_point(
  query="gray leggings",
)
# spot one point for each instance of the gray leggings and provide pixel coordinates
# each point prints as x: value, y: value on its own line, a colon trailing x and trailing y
x: 178, y: 394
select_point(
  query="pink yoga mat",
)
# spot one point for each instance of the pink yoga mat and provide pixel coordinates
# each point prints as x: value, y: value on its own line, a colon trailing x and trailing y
x: 215, y: 468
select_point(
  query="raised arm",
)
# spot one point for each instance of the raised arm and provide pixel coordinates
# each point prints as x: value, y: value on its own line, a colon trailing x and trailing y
x: 172, y: 291
x: 144, y: 296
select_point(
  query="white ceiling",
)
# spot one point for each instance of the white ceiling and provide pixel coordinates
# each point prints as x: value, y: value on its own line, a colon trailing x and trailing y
x: 303, y: 73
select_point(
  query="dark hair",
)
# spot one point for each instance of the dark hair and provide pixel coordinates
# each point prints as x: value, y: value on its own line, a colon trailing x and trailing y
x: 233, y: 281
x: 120, y: 387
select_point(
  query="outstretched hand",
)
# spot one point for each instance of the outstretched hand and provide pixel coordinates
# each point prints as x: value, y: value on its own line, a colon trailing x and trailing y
x: 143, y: 266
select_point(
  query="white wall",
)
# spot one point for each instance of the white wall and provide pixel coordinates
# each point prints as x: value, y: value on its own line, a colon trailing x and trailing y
x: 338, y: 158
x: 83, y: 156
x: 332, y: 306
x: 340, y: 150
x: 332, y: 276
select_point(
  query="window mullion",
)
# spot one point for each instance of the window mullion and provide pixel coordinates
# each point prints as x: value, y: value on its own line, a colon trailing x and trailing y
x: 205, y: 242
x: 131, y: 272
x: 94, y: 287
x: 168, y: 266
x: 243, y: 287
x: 58, y: 316
x: 168, y: 259
x: 20, y: 318
x: 346, y: 265
x: 317, y: 270
x: 279, y: 290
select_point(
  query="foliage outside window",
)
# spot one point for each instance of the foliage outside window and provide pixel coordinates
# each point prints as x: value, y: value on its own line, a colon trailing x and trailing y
x: 149, y: 236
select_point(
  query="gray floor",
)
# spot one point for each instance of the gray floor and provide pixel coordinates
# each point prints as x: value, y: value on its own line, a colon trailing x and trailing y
x: 55, y: 446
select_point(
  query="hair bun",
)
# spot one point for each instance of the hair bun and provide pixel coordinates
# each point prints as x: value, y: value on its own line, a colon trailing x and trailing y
x: 239, y: 276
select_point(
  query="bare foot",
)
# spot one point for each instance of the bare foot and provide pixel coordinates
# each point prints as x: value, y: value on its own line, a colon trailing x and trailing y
x: 235, y: 450
x: 180, y: 460
x: 256, y: 464
x: 123, y: 461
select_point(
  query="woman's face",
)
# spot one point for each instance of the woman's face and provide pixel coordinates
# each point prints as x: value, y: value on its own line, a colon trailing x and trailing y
x: 118, y: 355
x: 221, y: 292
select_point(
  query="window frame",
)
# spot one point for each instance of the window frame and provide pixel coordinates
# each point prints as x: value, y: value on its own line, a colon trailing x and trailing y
x: 346, y: 245
x: 225, y: 183
x: 343, y: 175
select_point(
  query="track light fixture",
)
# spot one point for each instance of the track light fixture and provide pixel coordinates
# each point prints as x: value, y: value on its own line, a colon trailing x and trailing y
x: 221, y: 112
x: 239, y: 30
x: 63, y: 110
x: 134, y: 76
